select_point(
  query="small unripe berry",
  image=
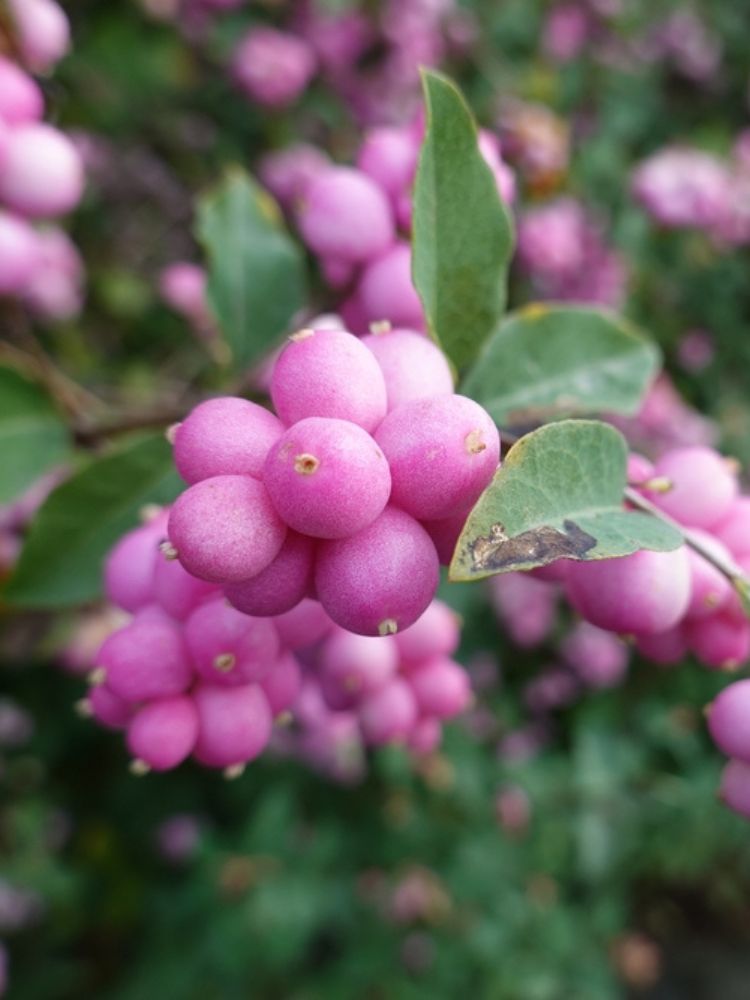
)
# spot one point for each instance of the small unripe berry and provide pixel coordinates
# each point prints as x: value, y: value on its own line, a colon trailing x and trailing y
x: 225, y: 437
x: 228, y: 647
x: 281, y: 585
x: 729, y: 720
x: 282, y: 683
x: 435, y: 633
x: 442, y: 453
x: 327, y: 478
x: 176, y: 591
x: 163, y: 732
x: 386, y: 291
x: 641, y: 593
x: 413, y: 366
x: 734, y: 790
x: 441, y: 688
x: 389, y: 714
x: 146, y: 659
x: 379, y: 581
x: 356, y: 665
x: 721, y: 641
x: 328, y: 373
x: 42, y: 175
x: 234, y: 724
x: 703, y: 486
x: 226, y: 529
x: 303, y: 626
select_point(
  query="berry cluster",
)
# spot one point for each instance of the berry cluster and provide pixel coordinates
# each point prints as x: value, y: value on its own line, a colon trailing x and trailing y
x: 346, y: 493
x: 41, y: 173
x: 189, y: 674
x: 728, y: 722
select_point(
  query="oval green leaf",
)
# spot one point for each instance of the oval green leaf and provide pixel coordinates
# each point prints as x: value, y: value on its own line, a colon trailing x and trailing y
x: 462, y: 237
x: 558, y: 495
x: 547, y: 361
x: 61, y: 562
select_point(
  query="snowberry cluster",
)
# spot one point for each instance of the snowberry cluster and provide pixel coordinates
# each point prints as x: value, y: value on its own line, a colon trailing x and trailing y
x: 345, y: 493
x: 41, y: 173
x: 189, y: 674
x: 356, y: 220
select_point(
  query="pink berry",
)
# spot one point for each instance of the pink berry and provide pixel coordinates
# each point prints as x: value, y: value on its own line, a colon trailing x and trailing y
x: 665, y: 648
x: 525, y: 606
x: 176, y: 591
x: 228, y: 647
x: 225, y: 437
x: 442, y: 453
x: 729, y: 720
x: 21, y: 100
x: 108, y: 709
x: 640, y: 469
x: 734, y: 790
x: 641, y: 593
x: 380, y: 580
x: 413, y: 366
x: 327, y: 478
x: 43, y: 174
x: 281, y: 585
x: 303, y: 626
x: 288, y: 172
x: 130, y: 565
x: 703, y: 486
x: 598, y: 658
x: 441, y: 688
x: 344, y: 214
x: 273, y: 67
x: 226, y: 529
x: 328, y: 373
x: 425, y: 736
x: 163, y: 732
x: 435, y: 633
x: 709, y: 589
x: 389, y: 714
x: 146, y: 659
x: 234, y: 724
x: 721, y: 641
x: 356, y: 665
x: 54, y: 292
x: 182, y: 285
x: 389, y: 156
x: 19, y: 254
x: 733, y: 530
x: 282, y: 683
x: 43, y: 32
x: 386, y: 291
x: 445, y: 533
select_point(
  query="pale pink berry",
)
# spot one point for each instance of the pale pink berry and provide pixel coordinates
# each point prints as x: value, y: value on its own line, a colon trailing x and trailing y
x: 640, y: 469
x: 327, y: 478
x: 304, y: 625
x: 282, y: 683
x: 526, y: 607
x: 344, y: 214
x: 226, y: 529
x: 413, y: 366
x: 21, y: 100
x: 234, y: 724
x: 227, y: 436
x: 709, y: 589
x: 55, y: 290
x: 386, y: 291
x: 425, y: 736
x: 228, y: 647
x: 442, y: 453
x: 380, y: 580
x: 288, y: 172
x: 703, y: 486
x: 282, y: 584
x: 734, y: 790
x: 176, y: 591
x: 665, y: 648
x: 729, y: 720
x: 598, y: 658
x: 43, y: 174
x: 19, y: 254
x: 734, y: 528
x: 389, y: 714
x: 162, y: 733
x: 328, y: 373
x: 273, y: 67
x: 130, y: 565
x: 721, y: 641
x: 146, y: 659
x: 108, y: 709
x: 43, y: 32
x: 356, y: 665
x: 641, y: 593
x: 441, y: 688
x: 389, y: 156
x: 435, y: 633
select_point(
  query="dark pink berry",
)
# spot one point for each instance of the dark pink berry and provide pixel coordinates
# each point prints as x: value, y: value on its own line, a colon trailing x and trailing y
x: 303, y: 626
x: 229, y: 647
x: 234, y: 724
x: 281, y: 585
x: 146, y: 659
x: 129, y: 567
x: 162, y: 733
x: 176, y: 591
x: 441, y: 688
x: 357, y: 665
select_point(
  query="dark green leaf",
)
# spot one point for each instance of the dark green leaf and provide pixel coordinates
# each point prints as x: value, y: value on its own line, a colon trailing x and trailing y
x: 462, y: 237
x: 558, y: 494
x: 61, y: 563
x: 256, y: 277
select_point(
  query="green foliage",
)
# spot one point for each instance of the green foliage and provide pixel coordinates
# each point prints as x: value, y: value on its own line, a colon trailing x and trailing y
x: 61, y: 563
x: 256, y: 279
x: 547, y: 361
x: 558, y: 494
x: 462, y: 234
x: 33, y: 437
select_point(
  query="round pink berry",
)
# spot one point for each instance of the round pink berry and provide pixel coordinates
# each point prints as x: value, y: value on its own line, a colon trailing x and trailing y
x: 389, y: 156
x: 389, y: 714
x: 21, y: 100
x: 356, y: 665
x: 108, y: 709
x: 709, y: 589
x: 733, y: 530
x: 729, y: 720
x: 304, y: 625
x: 176, y: 591
x: 43, y: 32
x: 441, y: 688
x: 386, y: 291
x: 703, y: 486
x: 19, y: 254
x: 130, y: 565
x: 43, y: 174
x: 445, y: 532
x: 281, y: 585
x: 234, y: 724
x: 282, y: 683
x: 228, y: 647
x: 146, y: 659
x: 721, y: 641
x: 435, y: 633
x: 162, y: 733
x: 413, y: 366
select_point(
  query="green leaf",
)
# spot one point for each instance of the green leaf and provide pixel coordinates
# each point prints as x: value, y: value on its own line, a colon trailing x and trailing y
x: 462, y: 234
x: 61, y: 563
x: 256, y: 274
x: 33, y: 438
x: 547, y: 361
x: 558, y: 494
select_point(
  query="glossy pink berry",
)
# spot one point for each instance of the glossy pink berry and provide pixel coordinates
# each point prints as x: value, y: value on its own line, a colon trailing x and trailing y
x: 734, y: 790
x: 437, y: 632
x: 357, y: 665
x: 21, y: 100
x: 282, y: 584
x: 42, y: 175
x: 703, y: 486
x: 234, y: 724
x: 228, y: 647
x: 162, y: 733
x: 176, y: 591
x: 389, y: 156
x: 303, y: 626
x: 328, y: 373
x: 729, y: 720
x: 327, y: 478
x: 344, y: 214
x: 146, y: 659
x: 389, y: 714
x: 19, y: 254
x: 413, y: 366
x: 442, y: 453
x: 282, y: 683
x: 379, y: 581
x: 721, y: 641
x: 224, y: 437
x: 441, y: 688
x: 386, y: 291
x: 226, y: 529
x: 641, y: 593
x: 43, y: 32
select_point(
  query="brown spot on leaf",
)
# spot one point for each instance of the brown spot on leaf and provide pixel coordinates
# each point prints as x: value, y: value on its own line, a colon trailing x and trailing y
x: 496, y: 551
